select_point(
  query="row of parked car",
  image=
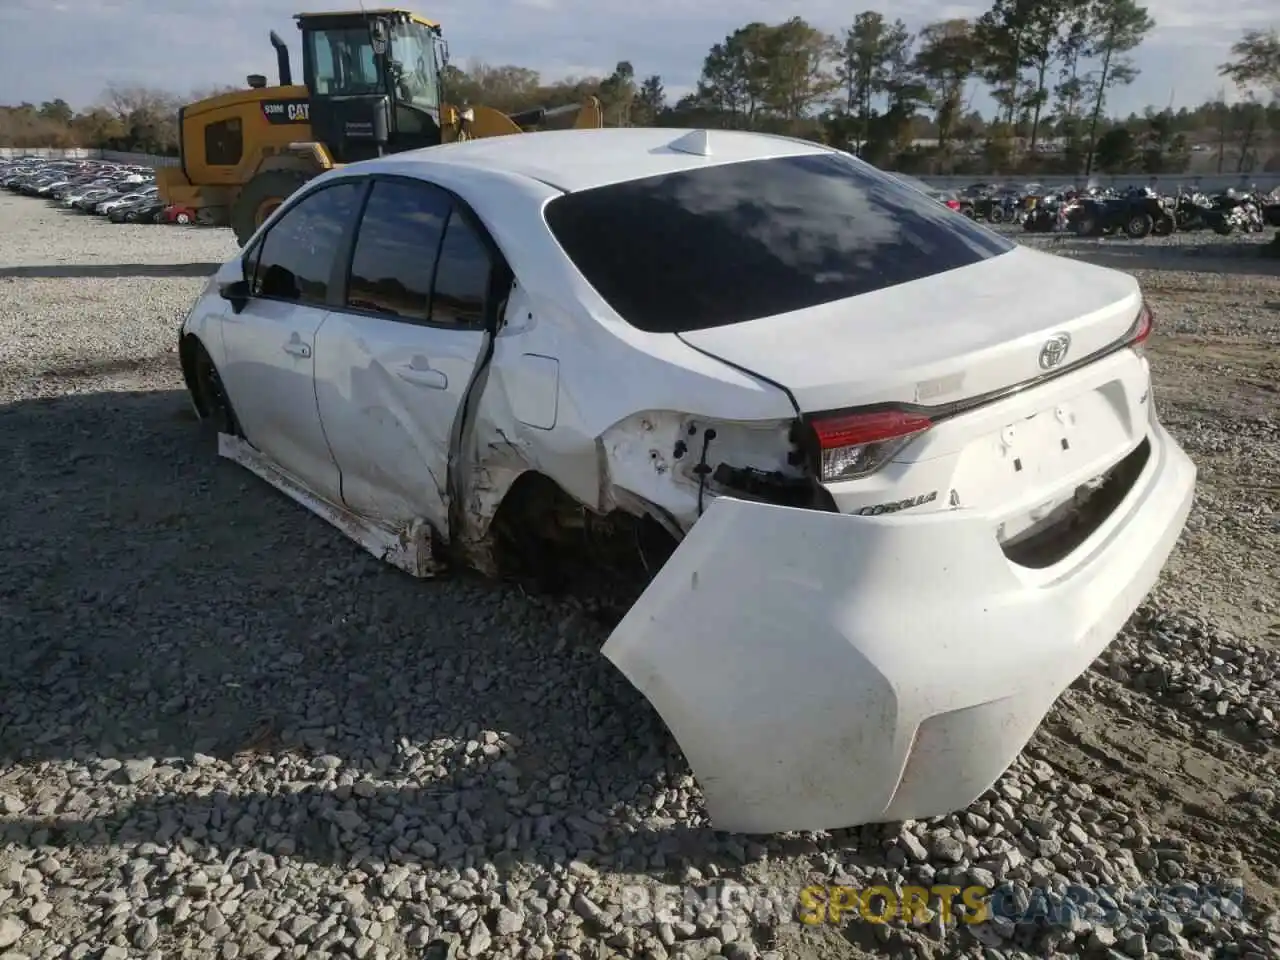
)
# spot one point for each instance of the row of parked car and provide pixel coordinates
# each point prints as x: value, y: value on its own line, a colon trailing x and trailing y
x: 120, y: 192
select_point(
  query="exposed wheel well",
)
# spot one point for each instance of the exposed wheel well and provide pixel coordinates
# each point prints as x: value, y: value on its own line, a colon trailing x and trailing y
x: 541, y: 533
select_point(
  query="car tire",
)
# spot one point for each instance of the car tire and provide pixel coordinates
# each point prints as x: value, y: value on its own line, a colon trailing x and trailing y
x: 1086, y: 226
x: 210, y: 394
x: 996, y: 215
x: 183, y: 218
x: 1139, y: 226
x: 1163, y: 227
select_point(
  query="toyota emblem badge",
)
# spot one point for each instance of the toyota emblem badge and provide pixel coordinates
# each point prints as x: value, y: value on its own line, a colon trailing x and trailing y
x: 1054, y: 351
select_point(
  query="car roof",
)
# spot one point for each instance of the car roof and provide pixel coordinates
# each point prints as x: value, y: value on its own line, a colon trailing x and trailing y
x: 572, y: 160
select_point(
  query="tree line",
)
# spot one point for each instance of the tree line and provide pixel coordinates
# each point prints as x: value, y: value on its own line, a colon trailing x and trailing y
x: 130, y: 119
x: 899, y: 98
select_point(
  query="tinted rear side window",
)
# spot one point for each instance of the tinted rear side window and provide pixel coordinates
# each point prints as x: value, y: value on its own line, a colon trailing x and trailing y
x: 735, y: 242
x: 397, y: 248
x: 462, y: 276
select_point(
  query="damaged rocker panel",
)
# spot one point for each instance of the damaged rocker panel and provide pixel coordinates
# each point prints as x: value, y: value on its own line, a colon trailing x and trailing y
x: 409, y: 549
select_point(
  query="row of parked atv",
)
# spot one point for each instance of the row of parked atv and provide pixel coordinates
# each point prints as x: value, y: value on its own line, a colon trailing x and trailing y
x: 1140, y: 213
x: 1137, y: 213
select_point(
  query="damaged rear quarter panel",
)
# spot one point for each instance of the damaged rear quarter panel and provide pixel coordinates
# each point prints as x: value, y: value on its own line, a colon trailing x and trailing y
x: 619, y: 414
x: 656, y: 456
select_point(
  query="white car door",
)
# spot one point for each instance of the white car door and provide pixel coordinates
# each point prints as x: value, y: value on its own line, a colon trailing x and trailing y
x: 270, y: 345
x: 393, y: 365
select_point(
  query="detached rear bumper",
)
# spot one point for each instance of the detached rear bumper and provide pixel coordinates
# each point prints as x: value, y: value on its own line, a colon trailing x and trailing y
x: 822, y: 670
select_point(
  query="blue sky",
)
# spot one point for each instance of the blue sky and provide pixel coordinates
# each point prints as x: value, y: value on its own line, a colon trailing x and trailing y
x: 73, y: 48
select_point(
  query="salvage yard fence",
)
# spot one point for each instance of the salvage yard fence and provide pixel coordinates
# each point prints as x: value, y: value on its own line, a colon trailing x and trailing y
x: 1168, y: 182
x: 85, y: 153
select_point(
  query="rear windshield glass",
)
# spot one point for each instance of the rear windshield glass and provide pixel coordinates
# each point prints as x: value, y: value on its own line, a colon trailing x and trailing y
x: 735, y: 242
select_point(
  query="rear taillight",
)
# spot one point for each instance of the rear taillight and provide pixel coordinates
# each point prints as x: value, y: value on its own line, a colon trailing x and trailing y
x: 953, y: 204
x: 1141, y: 330
x: 855, y: 445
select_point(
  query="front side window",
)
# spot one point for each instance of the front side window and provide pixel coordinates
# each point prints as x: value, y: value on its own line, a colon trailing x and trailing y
x: 394, y: 262
x: 344, y: 62
x: 296, y: 258
x: 413, y: 50
x: 736, y: 242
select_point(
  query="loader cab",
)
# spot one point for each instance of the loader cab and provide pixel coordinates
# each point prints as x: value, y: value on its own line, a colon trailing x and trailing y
x: 374, y: 81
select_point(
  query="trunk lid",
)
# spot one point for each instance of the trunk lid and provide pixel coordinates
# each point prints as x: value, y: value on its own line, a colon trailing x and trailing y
x: 955, y: 335
x: 1033, y: 460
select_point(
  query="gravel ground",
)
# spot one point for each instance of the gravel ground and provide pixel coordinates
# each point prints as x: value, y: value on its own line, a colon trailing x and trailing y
x: 227, y: 732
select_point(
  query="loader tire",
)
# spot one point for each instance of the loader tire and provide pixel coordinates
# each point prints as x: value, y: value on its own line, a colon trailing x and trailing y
x: 259, y: 199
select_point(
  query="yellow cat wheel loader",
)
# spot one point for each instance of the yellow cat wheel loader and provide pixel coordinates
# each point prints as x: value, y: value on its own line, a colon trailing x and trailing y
x: 372, y: 85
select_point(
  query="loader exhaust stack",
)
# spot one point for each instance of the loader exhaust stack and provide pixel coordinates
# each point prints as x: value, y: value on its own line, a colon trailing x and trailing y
x: 282, y: 60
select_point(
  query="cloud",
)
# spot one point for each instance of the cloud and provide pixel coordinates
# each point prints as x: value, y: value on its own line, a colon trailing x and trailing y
x: 72, y: 48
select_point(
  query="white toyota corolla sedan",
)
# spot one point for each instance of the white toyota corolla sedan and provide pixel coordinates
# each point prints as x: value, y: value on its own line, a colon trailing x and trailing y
x: 910, y: 473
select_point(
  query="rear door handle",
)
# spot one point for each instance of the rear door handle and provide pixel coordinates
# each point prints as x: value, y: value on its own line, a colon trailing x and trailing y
x: 297, y: 349
x: 423, y: 377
